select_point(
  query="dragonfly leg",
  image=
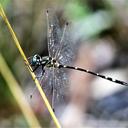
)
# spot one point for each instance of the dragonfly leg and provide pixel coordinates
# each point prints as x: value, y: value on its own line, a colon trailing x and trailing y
x: 40, y: 76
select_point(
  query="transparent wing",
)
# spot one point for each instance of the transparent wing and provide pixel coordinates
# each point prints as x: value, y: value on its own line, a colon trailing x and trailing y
x: 47, y: 82
x: 61, y: 85
x: 54, y: 33
x: 66, y: 54
x: 59, y: 45
x: 60, y: 82
x: 65, y: 48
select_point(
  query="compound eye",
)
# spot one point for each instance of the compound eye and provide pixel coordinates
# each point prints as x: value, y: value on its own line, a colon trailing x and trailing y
x: 33, y: 61
x: 37, y: 57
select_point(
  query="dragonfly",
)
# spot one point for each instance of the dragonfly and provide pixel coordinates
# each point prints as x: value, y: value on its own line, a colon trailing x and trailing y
x: 60, y: 56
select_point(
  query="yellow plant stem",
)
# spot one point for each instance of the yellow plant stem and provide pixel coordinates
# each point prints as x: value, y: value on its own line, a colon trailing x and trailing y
x: 18, y: 94
x: 32, y: 74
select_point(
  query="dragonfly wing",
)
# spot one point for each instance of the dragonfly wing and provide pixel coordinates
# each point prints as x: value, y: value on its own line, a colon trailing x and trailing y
x: 54, y: 33
x: 66, y: 54
x: 46, y: 82
x: 61, y: 85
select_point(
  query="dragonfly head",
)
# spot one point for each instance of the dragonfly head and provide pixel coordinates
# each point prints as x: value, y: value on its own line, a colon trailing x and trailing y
x: 36, y: 60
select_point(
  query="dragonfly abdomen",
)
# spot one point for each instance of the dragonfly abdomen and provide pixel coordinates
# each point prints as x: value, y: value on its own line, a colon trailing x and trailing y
x: 94, y: 73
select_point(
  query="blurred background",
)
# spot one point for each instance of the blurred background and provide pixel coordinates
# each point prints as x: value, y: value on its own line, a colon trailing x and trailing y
x: 99, y: 36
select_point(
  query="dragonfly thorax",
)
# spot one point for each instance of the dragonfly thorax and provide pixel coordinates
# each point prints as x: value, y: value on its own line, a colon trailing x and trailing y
x: 47, y: 61
x: 52, y: 62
